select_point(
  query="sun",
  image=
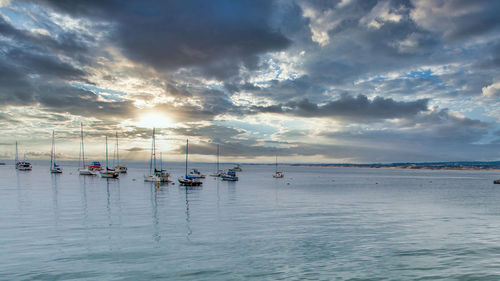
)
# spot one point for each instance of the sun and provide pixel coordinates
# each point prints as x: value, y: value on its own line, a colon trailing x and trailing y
x: 153, y: 120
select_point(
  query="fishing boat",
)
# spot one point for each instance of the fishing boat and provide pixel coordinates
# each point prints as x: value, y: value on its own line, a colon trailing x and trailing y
x: 277, y: 174
x: 229, y: 176
x: 187, y: 180
x: 84, y: 170
x: 108, y: 173
x: 119, y: 168
x: 54, y: 168
x: 236, y: 168
x: 22, y: 165
x: 152, y: 176
x: 162, y: 174
x: 218, y: 172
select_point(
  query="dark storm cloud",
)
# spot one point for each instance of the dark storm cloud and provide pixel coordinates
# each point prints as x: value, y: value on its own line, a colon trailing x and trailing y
x: 44, y: 65
x: 348, y: 107
x: 214, y: 35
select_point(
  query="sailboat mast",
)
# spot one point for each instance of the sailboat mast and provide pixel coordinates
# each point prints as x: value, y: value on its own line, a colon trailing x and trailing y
x: 117, y: 157
x: 161, y: 161
x: 154, y: 151
x: 54, y: 145
x: 187, y: 151
x: 83, y: 148
x: 17, y: 156
x: 276, y: 163
x: 52, y: 151
x: 107, y: 154
x: 217, y: 158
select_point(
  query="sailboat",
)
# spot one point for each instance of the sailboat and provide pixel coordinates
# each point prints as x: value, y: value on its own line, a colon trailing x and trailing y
x: 229, y: 176
x: 188, y: 180
x: 22, y: 165
x: 161, y: 173
x: 84, y: 170
x: 277, y: 174
x: 54, y: 168
x: 119, y: 168
x: 108, y: 173
x: 219, y: 172
x: 152, y: 177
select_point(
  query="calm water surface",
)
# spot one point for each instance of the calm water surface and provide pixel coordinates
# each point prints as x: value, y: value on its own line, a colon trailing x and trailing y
x: 315, y: 224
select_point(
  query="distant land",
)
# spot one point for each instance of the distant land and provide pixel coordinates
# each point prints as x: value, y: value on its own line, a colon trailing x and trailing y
x: 460, y: 165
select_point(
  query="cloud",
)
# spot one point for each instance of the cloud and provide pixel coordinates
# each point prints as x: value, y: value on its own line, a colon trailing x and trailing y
x: 456, y: 19
x: 212, y: 35
x: 380, y: 14
x: 343, y: 80
x: 351, y: 108
x: 491, y: 91
x: 437, y: 135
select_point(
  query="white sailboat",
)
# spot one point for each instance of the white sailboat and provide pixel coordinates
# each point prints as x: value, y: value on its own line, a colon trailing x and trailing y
x: 161, y: 173
x: 187, y: 180
x: 219, y: 172
x: 152, y: 177
x: 229, y: 176
x: 119, y: 168
x: 108, y: 173
x: 84, y: 170
x: 54, y: 168
x: 22, y: 165
x: 277, y: 174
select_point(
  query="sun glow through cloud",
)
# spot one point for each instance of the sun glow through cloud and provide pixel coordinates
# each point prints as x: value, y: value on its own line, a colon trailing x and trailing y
x: 153, y: 120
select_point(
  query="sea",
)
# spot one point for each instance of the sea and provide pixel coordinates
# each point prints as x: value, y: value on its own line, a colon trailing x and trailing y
x: 316, y: 223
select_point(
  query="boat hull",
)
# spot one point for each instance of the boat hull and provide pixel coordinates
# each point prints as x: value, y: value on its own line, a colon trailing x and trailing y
x: 121, y: 169
x: 152, y: 178
x: 278, y: 175
x: 25, y: 169
x: 189, y: 182
x: 110, y: 175
x: 86, y: 172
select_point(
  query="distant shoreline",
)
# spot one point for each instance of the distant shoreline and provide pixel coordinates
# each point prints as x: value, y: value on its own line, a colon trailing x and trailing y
x: 469, y: 166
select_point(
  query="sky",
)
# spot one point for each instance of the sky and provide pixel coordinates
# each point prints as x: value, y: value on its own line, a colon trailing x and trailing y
x: 350, y: 81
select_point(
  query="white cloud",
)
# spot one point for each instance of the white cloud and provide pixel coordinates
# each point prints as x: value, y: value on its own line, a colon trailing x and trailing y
x: 4, y: 3
x: 492, y: 91
x: 321, y: 22
x: 381, y: 14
